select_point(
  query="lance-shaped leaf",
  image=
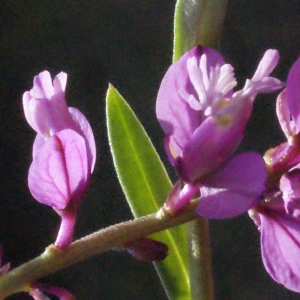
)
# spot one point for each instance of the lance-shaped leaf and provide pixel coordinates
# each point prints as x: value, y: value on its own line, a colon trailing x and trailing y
x: 197, y: 22
x: 146, y: 185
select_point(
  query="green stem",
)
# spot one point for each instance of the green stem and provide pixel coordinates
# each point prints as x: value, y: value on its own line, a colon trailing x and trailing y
x: 201, y: 280
x: 52, y: 259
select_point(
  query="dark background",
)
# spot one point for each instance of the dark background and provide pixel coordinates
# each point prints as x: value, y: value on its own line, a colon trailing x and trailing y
x: 128, y: 43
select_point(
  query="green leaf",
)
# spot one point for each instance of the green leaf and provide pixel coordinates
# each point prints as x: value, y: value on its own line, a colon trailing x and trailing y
x: 146, y: 185
x: 197, y: 22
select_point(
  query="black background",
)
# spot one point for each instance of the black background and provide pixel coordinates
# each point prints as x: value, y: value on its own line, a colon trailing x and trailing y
x: 128, y: 43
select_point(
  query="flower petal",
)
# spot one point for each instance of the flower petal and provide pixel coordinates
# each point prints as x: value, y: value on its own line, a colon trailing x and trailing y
x: 26, y: 106
x: 174, y: 113
x: 280, y: 242
x: 267, y: 85
x: 42, y: 86
x: 59, y: 171
x: 37, y: 113
x: 284, y: 116
x: 235, y: 189
x: 293, y: 93
x: 37, y: 145
x: 45, y: 105
x: 208, y: 149
x: 60, y: 115
x: 84, y: 129
x: 266, y: 65
x: 60, y: 82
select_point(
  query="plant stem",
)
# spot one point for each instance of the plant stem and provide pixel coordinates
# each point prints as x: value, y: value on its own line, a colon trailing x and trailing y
x: 201, y: 280
x: 53, y: 259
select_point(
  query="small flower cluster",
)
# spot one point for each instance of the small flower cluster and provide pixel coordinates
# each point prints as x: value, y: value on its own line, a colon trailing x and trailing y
x: 204, y: 122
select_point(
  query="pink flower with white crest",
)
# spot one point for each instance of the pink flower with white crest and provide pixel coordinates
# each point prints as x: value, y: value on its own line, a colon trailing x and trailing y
x: 204, y: 122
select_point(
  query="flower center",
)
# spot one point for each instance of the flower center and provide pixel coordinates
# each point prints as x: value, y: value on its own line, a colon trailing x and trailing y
x: 211, y: 85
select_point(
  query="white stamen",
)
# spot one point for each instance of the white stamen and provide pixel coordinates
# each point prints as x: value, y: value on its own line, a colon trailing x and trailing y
x: 196, y: 77
x: 202, y: 67
x: 211, y: 86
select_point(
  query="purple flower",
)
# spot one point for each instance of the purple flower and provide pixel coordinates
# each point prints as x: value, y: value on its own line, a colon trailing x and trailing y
x: 278, y: 216
x: 204, y: 122
x: 63, y: 152
x: 288, y: 112
x: 284, y: 160
x: 280, y: 243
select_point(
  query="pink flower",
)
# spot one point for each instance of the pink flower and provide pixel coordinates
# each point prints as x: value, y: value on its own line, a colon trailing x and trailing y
x: 64, y: 151
x: 284, y: 160
x: 280, y: 243
x: 278, y: 216
x: 204, y: 122
x: 203, y: 119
